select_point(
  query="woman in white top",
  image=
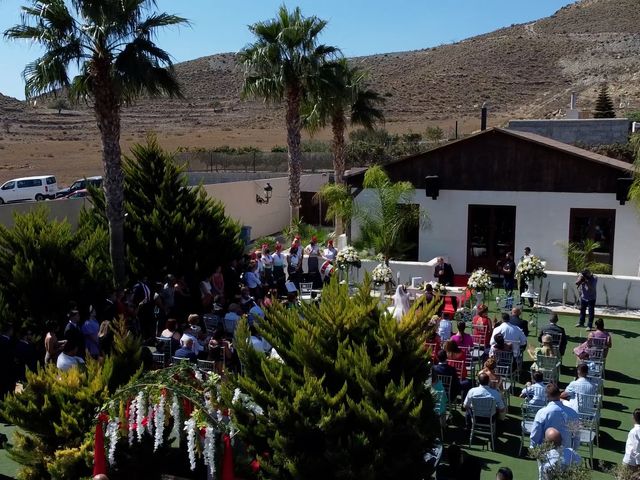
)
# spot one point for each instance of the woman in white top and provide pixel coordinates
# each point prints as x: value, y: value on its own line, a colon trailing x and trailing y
x: 330, y: 252
x: 313, y: 253
x: 277, y: 260
x: 400, y: 302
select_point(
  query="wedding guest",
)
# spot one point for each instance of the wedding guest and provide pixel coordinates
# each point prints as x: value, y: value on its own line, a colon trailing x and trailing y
x: 504, y: 473
x: 554, y: 328
x: 52, y: 345
x: 580, y: 386
x: 444, y: 328
x: 443, y: 272
x: 461, y: 338
x: 523, y: 284
x: 330, y: 252
x: 587, y: 283
x: 489, y: 369
x: 294, y: 265
x: 559, y: 458
x: 186, y: 349
x: 90, y: 329
x: 631, y: 459
x: 481, y: 322
x: 546, y: 350
x: 313, y: 261
x: 508, y: 270
x: 26, y: 356
x: 517, y: 321
x: 535, y: 393
x: 69, y: 358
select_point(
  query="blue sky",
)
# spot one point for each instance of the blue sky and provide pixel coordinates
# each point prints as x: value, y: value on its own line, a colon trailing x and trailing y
x: 358, y: 27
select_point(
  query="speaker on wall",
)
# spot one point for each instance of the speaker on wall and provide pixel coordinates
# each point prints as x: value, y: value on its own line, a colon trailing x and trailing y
x: 623, y: 185
x: 432, y: 186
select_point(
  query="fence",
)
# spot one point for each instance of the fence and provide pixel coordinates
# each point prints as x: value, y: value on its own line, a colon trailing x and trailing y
x: 211, y: 161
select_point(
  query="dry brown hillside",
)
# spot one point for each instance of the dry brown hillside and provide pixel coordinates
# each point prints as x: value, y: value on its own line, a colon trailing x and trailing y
x: 522, y: 71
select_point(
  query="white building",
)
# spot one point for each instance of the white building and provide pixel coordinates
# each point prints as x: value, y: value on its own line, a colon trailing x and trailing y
x: 501, y: 190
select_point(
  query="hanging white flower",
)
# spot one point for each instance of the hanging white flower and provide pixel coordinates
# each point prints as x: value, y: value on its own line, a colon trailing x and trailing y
x: 132, y: 420
x: 209, y: 450
x: 112, y: 434
x: 247, y: 402
x: 158, y: 438
x: 150, y: 417
x: 141, y: 410
x: 190, y: 429
x: 175, y: 413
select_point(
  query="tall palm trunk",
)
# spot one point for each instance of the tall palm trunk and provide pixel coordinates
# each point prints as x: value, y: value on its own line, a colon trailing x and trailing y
x: 107, y: 111
x: 338, y: 127
x: 294, y: 126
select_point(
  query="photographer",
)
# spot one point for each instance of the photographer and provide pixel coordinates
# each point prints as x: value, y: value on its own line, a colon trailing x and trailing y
x: 586, y: 284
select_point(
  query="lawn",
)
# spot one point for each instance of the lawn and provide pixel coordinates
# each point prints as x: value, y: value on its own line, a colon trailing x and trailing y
x: 621, y: 397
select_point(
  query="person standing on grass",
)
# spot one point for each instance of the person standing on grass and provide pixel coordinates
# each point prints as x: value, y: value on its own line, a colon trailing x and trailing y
x: 631, y: 459
x: 587, y: 283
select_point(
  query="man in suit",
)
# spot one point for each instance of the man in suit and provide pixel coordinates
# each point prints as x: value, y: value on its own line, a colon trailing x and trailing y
x: 7, y: 361
x: 443, y: 368
x: 443, y: 272
x: 519, y: 322
x: 554, y: 328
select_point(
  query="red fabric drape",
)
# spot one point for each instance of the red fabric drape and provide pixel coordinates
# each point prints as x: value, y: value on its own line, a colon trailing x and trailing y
x: 99, y: 457
x: 227, y: 460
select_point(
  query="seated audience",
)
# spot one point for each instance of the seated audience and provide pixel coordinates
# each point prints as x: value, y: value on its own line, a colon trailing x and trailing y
x: 69, y: 358
x: 186, y: 349
x: 535, y: 393
x: 461, y: 338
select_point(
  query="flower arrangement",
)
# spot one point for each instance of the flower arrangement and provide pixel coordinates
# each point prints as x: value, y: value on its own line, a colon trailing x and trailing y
x: 480, y: 280
x: 439, y: 289
x: 348, y: 257
x: 530, y: 268
x: 382, y: 274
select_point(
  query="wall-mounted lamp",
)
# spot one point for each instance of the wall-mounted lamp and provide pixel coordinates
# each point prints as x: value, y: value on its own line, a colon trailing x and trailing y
x: 267, y: 194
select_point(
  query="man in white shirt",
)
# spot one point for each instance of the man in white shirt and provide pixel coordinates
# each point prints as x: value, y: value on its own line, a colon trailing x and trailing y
x: 632, y: 449
x: 68, y: 358
x: 580, y: 386
x: 483, y: 391
x: 511, y: 334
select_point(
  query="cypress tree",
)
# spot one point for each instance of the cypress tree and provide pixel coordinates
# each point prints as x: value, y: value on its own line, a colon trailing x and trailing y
x: 604, y: 104
x: 348, y: 399
x: 170, y: 227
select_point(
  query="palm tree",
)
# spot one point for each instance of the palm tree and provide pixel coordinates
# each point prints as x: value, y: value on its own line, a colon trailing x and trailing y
x: 283, y: 65
x: 111, y: 43
x: 341, y: 98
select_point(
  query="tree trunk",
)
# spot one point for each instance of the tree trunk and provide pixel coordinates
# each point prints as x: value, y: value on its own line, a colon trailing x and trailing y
x: 294, y: 126
x: 107, y: 111
x: 339, y: 162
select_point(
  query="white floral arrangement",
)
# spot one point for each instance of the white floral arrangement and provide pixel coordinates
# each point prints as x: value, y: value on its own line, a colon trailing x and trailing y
x: 480, y: 280
x: 439, y: 289
x: 382, y: 274
x: 347, y: 257
x: 530, y: 268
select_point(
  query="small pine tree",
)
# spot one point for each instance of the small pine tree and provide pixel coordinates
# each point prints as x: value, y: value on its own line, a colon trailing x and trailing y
x: 349, y: 398
x: 170, y: 227
x: 604, y: 105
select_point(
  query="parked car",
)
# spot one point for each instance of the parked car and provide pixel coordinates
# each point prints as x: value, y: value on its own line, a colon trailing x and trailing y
x: 80, y: 184
x: 79, y: 194
x: 29, y: 188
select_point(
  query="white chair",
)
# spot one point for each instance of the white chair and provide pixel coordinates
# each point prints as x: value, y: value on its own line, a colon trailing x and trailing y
x: 206, y: 365
x: 526, y: 424
x: 590, y: 405
x: 305, y: 290
x: 505, y: 372
x: 549, y: 366
x: 440, y: 408
x: 179, y: 360
x: 159, y: 361
x: 483, y: 423
x: 588, y: 433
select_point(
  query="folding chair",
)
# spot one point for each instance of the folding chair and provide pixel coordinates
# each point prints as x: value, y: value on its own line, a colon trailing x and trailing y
x: 211, y: 322
x: 159, y: 360
x: 549, y: 366
x: 506, y: 374
x: 465, y: 315
x: 590, y: 405
x: 207, y: 365
x: 446, y: 381
x: 588, y: 432
x: 434, y: 350
x: 504, y: 357
x: 305, y: 289
x: 556, y: 340
x: 440, y: 408
x: 165, y: 345
x: 460, y: 367
x: 483, y: 412
x: 526, y: 424
x: 179, y: 360
x: 596, y: 369
x: 598, y: 343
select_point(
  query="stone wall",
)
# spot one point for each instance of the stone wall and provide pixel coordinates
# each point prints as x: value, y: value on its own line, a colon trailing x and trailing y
x: 597, y: 131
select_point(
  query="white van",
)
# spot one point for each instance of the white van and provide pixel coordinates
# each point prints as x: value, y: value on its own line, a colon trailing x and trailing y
x: 28, y: 188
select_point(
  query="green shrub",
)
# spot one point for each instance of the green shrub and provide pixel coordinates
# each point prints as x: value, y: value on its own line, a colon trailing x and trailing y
x: 348, y: 400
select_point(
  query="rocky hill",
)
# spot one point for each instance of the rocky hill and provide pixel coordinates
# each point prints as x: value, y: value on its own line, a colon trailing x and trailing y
x: 521, y: 71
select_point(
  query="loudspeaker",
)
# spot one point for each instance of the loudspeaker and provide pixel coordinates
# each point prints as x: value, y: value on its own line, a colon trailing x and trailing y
x: 432, y: 186
x: 623, y: 184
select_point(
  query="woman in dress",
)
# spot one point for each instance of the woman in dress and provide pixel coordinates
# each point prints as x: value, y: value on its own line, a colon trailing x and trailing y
x: 217, y: 282
x: 278, y: 260
x: 583, y: 351
x: 400, y: 302
x: 313, y: 261
x: 482, y: 322
x: 330, y: 252
x: 490, y: 369
x: 52, y: 345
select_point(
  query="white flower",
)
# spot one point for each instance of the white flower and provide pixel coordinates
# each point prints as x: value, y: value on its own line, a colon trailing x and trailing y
x: 112, y: 434
x: 132, y: 419
x: 480, y: 280
x: 530, y: 268
x: 141, y: 410
x: 209, y: 450
x: 175, y: 413
x: 381, y: 274
x: 246, y: 401
x: 159, y: 421
x: 190, y: 429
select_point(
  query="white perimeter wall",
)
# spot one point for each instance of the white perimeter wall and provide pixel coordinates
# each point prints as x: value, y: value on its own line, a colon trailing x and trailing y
x: 239, y: 199
x: 542, y: 221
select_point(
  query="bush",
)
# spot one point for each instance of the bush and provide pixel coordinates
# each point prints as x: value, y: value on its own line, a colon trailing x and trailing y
x: 348, y: 400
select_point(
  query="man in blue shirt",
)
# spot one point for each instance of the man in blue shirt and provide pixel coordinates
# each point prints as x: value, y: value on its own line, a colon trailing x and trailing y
x: 581, y: 386
x: 587, y: 283
x: 556, y: 415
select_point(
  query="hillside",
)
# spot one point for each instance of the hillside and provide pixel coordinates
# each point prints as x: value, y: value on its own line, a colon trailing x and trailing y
x: 522, y: 71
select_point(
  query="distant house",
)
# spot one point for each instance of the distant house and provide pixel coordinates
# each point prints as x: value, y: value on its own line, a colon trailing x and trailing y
x: 501, y: 190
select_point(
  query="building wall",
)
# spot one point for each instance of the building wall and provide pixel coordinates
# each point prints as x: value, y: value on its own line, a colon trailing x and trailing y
x: 542, y: 222
x: 240, y: 203
x: 63, y: 209
x: 599, y: 131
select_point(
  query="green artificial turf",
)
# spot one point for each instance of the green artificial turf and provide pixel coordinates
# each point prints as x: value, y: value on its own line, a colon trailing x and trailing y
x: 621, y: 397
